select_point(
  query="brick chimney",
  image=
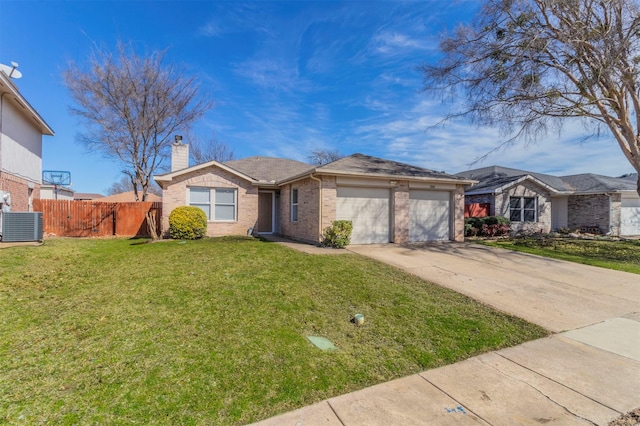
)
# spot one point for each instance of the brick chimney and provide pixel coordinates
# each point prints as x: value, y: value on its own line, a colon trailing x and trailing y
x: 179, y: 155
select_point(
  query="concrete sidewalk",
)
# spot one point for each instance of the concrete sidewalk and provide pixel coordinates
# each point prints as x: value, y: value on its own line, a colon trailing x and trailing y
x: 589, y: 373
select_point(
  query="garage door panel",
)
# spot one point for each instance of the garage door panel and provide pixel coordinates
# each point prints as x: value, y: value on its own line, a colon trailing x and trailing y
x: 630, y: 216
x: 630, y: 221
x: 429, y: 215
x: 368, y: 210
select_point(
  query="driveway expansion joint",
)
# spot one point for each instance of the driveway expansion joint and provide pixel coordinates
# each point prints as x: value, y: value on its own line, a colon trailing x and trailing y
x: 460, y: 403
x: 554, y: 381
x: 336, y: 413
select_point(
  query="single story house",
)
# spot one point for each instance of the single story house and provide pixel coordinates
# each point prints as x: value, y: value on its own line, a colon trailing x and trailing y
x: 386, y: 201
x: 539, y: 202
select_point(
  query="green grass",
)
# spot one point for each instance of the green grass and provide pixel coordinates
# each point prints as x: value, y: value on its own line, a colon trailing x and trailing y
x: 611, y: 254
x: 214, y: 331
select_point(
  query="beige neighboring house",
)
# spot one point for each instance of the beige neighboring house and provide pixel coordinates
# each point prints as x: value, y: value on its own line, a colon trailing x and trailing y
x: 21, y: 131
x: 56, y: 192
x: 537, y: 202
x: 386, y: 201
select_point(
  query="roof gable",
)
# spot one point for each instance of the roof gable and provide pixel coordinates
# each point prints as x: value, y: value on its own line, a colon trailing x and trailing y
x: 7, y: 86
x: 496, y: 177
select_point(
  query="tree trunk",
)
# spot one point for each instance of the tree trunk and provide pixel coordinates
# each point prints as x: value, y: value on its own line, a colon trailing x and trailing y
x: 151, y: 224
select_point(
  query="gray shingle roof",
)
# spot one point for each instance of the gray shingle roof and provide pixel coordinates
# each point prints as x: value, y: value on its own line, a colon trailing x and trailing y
x: 589, y: 182
x: 633, y: 177
x: 373, y: 166
x: 494, y: 177
x: 268, y: 168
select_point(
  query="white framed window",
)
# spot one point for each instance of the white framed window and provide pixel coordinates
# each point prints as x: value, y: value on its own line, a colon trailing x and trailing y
x: 225, y: 205
x: 218, y: 204
x: 523, y: 209
x: 294, y: 204
x: 201, y: 198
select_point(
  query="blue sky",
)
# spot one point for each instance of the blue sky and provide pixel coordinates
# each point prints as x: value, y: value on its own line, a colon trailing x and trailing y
x: 286, y: 78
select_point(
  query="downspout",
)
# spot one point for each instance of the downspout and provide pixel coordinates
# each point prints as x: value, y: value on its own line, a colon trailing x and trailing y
x: 319, y: 205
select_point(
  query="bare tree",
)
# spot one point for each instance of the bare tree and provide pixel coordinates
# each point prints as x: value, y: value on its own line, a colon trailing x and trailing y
x: 132, y: 105
x: 125, y: 185
x: 320, y: 157
x: 211, y: 149
x: 525, y: 65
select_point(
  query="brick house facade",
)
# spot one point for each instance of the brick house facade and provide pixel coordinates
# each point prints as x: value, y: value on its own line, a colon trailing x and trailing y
x: 305, y: 198
x: 585, y: 202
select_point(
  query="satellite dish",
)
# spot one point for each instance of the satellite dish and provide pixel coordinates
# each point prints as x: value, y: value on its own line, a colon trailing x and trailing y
x: 11, y: 71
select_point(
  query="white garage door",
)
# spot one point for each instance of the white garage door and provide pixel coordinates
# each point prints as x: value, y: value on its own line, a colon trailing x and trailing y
x: 429, y: 215
x: 368, y: 210
x: 630, y: 216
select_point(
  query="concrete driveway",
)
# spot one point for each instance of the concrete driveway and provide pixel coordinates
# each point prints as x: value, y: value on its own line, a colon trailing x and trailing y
x: 587, y: 374
x: 555, y: 294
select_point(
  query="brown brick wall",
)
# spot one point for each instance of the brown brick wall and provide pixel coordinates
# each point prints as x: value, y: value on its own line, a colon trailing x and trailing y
x: 400, y: 212
x: 306, y: 228
x: 599, y: 210
x: 247, y: 204
x: 20, y: 192
x: 458, y: 213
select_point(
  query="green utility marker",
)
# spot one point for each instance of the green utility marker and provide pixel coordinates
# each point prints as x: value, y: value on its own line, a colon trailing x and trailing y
x: 322, y: 343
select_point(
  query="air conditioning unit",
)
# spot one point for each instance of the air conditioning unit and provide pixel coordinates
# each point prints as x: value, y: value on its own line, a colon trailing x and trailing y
x: 21, y: 226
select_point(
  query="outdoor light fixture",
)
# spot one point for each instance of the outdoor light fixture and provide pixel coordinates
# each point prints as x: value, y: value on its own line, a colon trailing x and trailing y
x: 178, y: 138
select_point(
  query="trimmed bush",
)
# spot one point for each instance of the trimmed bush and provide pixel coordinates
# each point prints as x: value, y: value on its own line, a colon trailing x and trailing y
x: 187, y: 223
x: 489, y: 226
x: 339, y: 234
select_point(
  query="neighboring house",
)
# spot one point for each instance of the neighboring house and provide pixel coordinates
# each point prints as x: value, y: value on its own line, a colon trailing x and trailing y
x: 538, y: 202
x: 86, y: 196
x: 21, y: 131
x: 386, y: 201
x: 56, y: 192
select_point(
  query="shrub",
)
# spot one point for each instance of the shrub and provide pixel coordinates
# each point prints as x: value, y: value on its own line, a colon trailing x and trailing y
x: 187, y: 223
x: 490, y: 226
x: 339, y: 234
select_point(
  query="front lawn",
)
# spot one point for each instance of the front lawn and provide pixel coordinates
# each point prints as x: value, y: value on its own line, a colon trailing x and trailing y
x: 623, y: 255
x: 214, y: 331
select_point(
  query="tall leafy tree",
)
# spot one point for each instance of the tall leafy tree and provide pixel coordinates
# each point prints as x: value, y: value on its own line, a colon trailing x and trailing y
x: 132, y: 105
x: 526, y: 65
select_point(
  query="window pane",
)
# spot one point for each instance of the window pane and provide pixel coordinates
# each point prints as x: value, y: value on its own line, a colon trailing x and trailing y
x: 225, y: 196
x: 225, y: 212
x: 294, y: 213
x: 205, y: 208
x: 294, y: 196
x: 199, y: 195
x: 514, y: 216
x: 514, y: 202
x: 529, y: 215
x: 529, y: 203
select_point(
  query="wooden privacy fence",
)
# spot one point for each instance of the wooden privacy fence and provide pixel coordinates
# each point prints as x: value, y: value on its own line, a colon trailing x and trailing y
x: 70, y: 218
x: 477, y: 210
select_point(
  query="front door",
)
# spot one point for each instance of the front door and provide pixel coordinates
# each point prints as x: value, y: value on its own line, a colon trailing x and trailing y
x: 265, y: 212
